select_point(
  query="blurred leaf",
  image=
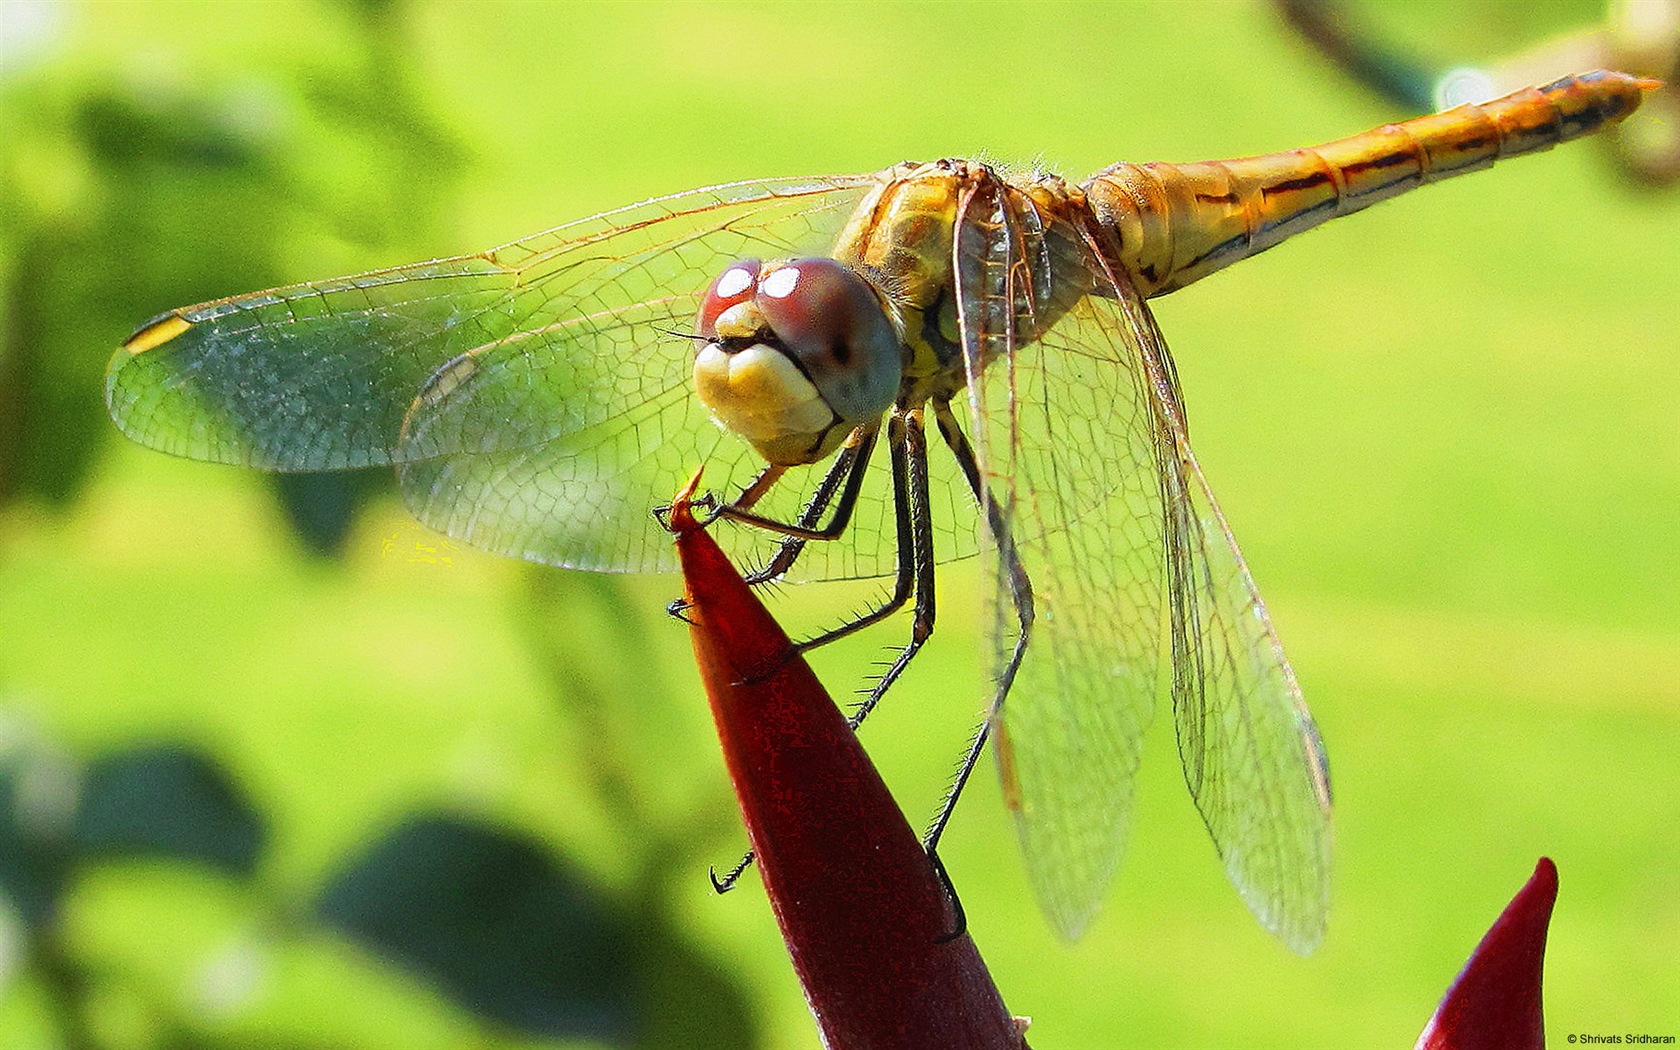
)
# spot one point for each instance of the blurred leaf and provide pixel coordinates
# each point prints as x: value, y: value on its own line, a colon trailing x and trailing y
x: 34, y: 856
x: 125, y: 192
x: 120, y: 199
x: 168, y: 800
x: 322, y: 506
x: 502, y: 927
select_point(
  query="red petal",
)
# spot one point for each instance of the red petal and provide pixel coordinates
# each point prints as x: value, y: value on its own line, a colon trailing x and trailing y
x: 865, y: 917
x: 1495, y: 1003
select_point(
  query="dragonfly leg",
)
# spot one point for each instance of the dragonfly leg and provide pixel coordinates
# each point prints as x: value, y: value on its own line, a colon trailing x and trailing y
x: 904, y: 579
x: 755, y: 489
x: 915, y: 552
x: 959, y: 917
x: 1020, y: 596
x: 907, y: 447
x: 733, y: 875
x: 896, y: 442
x: 849, y: 467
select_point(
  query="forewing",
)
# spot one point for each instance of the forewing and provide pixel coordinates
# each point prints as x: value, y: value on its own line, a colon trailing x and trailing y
x: 1064, y: 431
x: 537, y: 396
x: 311, y: 377
x: 321, y: 376
x: 1252, y: 756
x: 555, y: 442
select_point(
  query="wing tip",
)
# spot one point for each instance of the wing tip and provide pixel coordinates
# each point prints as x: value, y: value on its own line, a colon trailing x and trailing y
x: 1301, y: 925
x: 156, y: 332
x: 1302, y: 940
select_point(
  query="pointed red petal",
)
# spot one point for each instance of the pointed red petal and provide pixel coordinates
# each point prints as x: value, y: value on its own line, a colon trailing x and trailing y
x: 864, y: 915
x: 1495, y: 1003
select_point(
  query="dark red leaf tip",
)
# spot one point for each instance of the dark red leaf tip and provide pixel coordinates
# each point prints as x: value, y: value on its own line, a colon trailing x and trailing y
x: 1495, y: 1004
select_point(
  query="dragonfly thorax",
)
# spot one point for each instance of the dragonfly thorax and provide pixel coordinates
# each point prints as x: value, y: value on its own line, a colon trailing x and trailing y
x: 792, y: 355
x: 1022, y: 263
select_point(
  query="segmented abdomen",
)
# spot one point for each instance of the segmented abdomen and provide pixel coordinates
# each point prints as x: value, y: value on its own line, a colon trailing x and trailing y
x: 1179, y: 222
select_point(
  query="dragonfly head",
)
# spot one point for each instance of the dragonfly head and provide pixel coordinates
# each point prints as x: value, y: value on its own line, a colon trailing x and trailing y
x: 792, y: 355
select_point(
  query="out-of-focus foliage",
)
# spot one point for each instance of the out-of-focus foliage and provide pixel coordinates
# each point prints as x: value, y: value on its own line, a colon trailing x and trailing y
x: 124, y: 185
x: 526, y: 940
x: 494, y: 919
x: 36, y: 825
x: 1449, y: 62
x: 167, y: 801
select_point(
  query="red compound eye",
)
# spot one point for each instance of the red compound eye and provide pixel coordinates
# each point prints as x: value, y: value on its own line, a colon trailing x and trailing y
x: 830, y: 321
x: 819, y: 309
x: 737, y: 284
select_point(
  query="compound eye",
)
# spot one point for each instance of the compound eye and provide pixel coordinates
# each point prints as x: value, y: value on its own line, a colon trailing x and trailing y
x: 816, y: 308
x: 735, y: 285
x: 832, y: 323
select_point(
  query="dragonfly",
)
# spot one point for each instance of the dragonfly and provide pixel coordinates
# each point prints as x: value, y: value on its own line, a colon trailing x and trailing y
x: 800, y: 337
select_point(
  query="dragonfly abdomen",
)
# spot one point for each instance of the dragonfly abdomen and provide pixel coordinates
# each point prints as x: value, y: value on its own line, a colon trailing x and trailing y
x: 1177, y: 223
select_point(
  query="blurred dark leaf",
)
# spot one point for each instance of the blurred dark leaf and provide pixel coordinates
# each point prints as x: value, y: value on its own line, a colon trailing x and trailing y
x: 130, y: 132
x: 172, y: 801
x: 322, y: 506
x: 499, y: 924
x: 34, y: 856
x: 151, y: 217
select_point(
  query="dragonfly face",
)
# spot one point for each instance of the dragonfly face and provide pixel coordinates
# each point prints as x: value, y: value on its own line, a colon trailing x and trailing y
x: 793, y: 355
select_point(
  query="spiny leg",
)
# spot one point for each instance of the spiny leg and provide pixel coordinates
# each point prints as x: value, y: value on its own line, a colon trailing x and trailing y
x: 915, y: 534
x: 733, y: 875
x: 904, y: 579
x: 1020, y: 595
x: 897, y: 431
x: 849, y: 464
x: 849, y: 467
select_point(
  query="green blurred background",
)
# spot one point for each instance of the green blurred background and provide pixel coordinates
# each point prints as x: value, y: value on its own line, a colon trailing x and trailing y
x: 281, y: 774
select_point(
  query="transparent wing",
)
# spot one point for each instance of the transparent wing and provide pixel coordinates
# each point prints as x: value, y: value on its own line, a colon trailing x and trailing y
x: 320, y: 376
x: 1067, y: 443
x: 1084, y: 446
x: 1252, y: 755
x: 577, y: 487
x: 536, y: 396
x: 312, y: 377
x: 553, y: 443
